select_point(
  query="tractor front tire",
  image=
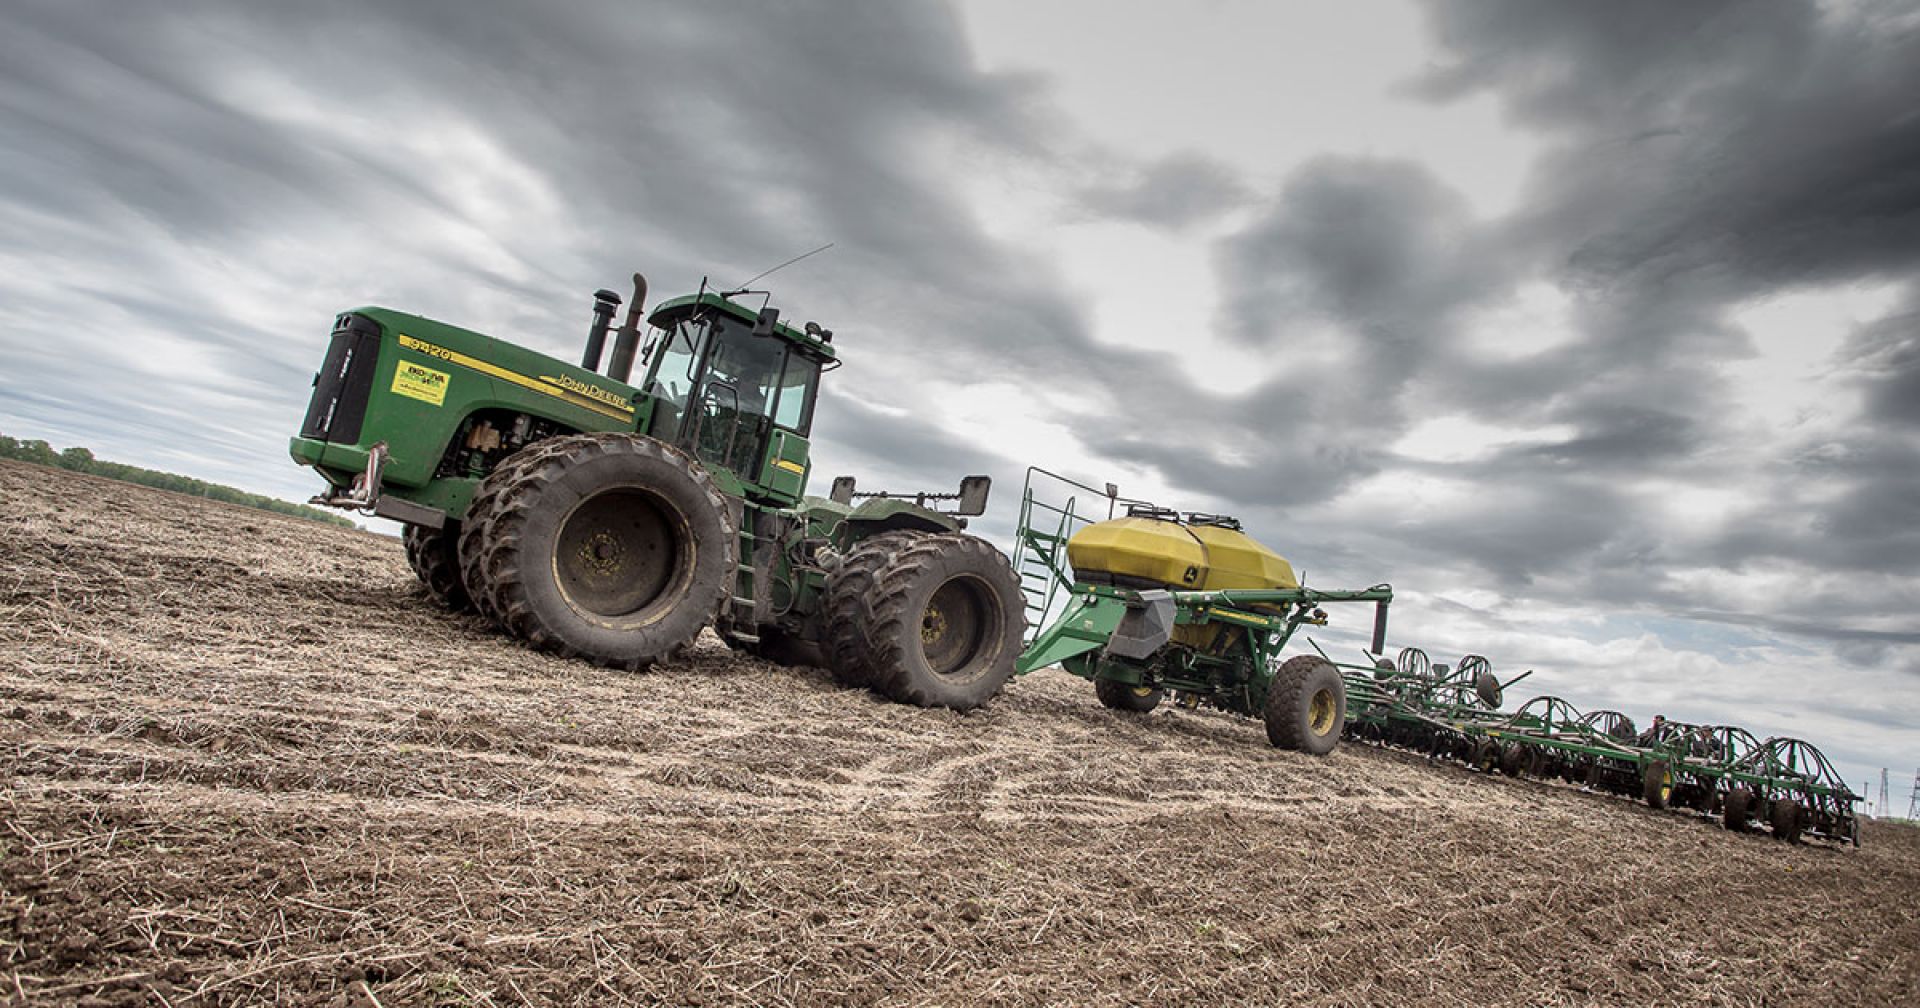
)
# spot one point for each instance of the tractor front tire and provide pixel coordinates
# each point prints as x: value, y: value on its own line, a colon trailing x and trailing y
x: 434, y: 556
x: 849, y: 598
x: 1116, y: 695
x: 1306, y: 705
x: 944, y: 622
x: 612, y: 547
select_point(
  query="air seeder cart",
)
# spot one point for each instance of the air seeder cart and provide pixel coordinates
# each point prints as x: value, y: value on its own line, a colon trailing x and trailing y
x: 1150, y: 603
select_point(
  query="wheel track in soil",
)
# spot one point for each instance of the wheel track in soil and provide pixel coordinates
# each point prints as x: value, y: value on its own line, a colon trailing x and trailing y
x: 301, y: 716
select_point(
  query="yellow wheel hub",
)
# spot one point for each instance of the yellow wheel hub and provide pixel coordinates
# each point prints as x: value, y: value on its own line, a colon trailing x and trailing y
x: 1320, y: 712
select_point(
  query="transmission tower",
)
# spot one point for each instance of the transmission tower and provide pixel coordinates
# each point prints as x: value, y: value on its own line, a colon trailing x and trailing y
x: 1913, y: 798
x: 1880, y: 810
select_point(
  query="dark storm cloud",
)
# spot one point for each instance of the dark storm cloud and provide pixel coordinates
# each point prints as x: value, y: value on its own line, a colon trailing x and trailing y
x: 1707, y: 154
x: 1700, y: 157
x: 1380, y: 247
x: 1885, y: 358
x: 1174, y: 193
x: 1351, y: 278
x: 907, y: 446
x: 333, y: 150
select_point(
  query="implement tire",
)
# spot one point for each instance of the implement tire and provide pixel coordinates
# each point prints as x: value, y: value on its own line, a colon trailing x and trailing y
x: 1306, y: 705
x: 1733, y: 812
x: 1116, y: 695
x: 611, y: 547
x: 434, y: 555
x: 944, y: 622
x: 849, y: 598
x: 1656, y: 784
x: 1786, y: 817
x: 1519, y: 759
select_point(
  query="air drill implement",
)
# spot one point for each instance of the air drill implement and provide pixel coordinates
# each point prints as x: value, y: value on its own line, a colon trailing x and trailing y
x: 1785, y: 784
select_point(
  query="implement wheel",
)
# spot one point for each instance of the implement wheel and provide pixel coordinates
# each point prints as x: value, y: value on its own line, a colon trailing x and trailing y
x: 1306, y: 705
x: 944, y: 622
x: 1733, y: 811
x: 1120, y: 696
x: 1520, y: 760
x: 848, y: 598
x: 1656, y: 784
x: 1786, y: 816
x: 612, y: 547
x: 434, y: 556
x: 1484, y: 756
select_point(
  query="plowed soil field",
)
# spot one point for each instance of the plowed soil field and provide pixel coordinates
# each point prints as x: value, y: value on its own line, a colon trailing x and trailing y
x: 247, y: 763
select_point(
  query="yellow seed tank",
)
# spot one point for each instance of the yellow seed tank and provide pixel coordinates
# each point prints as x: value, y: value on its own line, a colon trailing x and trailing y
x: 1139, y: 551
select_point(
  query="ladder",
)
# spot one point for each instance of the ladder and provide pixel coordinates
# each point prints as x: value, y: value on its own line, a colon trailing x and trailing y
x: 1040, y: 543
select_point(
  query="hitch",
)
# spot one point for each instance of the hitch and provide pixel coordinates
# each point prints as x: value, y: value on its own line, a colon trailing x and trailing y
x: 365, y: 497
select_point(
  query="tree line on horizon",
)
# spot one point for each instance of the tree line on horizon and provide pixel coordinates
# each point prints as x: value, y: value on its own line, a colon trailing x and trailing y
x: 77, y: 459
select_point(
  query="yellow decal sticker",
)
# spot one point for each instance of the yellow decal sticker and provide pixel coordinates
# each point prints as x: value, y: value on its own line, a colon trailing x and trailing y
x: 791, y: 466
x: 422, y: 383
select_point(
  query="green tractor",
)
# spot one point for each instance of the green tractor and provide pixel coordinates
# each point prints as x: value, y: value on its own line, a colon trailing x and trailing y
x: 594, y: 518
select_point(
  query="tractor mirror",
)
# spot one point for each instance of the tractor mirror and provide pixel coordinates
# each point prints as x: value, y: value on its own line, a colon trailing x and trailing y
x: 973, y: 494
x: 842, y: 490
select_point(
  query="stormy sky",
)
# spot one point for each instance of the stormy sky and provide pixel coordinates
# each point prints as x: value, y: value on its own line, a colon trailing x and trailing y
x: 1591, y: 327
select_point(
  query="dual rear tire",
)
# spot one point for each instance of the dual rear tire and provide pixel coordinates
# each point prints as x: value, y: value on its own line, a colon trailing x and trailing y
x: 933, y: 619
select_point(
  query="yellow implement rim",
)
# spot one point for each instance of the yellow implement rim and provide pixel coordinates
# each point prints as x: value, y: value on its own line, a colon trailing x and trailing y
x: 1320, y: 712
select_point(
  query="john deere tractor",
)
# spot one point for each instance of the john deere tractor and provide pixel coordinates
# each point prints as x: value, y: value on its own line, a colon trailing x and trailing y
x: 608, y: 520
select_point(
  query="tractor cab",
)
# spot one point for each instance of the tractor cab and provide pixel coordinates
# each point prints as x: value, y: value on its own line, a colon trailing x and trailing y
x: 736, y: 389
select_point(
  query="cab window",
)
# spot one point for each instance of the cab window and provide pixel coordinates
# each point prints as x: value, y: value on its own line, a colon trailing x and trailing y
x: 797, y: 381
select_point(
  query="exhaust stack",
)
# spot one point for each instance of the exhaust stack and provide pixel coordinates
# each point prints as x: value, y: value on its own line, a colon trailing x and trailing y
x: 604, y: 304
x: 627, y: 341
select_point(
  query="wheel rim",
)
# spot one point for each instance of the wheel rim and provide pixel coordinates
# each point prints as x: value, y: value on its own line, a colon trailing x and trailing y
x: 1321, y: 710
x: 621, y: 552
x: 956, y: 627
x: 1143, y: 691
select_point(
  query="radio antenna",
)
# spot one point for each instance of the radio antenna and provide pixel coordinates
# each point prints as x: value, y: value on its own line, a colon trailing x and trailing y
x: 743, y: 287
